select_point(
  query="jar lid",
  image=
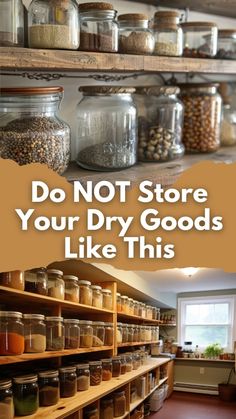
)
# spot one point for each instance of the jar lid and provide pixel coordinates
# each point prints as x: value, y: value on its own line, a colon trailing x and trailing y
x: 166, y: 13
x: 106, y: 89
x: 75, y: 321
x: 198, y: 25
x: 106, y: 360
x: 5, y: 384
x: 15, y: 314
x: 124, y: 297
x: 55, y: 271
x: 225, y: 33
x: 110, y: 324
x: 34, y: 316
x: 95, y: 363
x: 132, y: 16
x: 158, y: 90
x: 54, y: 319
x: 84, y: 7
x: 82, y: 366
x: 86, y: 322
x: 119, y: 324
x: 67, y: 369
x: 36, y: 270
x: 106, y: 291
x: 84, y: 282
x: 119, y: 393
x: 96, y: 287
x: 98, y: 323
x: 24, y: 379
x: 24, y: 91
x: 116, y: 358
x: 70, y: 277
x: 48, y: 374
x: 118, y: 294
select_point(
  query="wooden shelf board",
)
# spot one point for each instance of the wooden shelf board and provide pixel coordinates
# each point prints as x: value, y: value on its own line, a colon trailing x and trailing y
x: 137, y: 318
x: 129, y: 344
x: 137, y: 402
x: 20, y: 59
x: 204, y: 360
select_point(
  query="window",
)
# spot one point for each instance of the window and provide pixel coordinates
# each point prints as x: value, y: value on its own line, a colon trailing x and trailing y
x: 207, y: 320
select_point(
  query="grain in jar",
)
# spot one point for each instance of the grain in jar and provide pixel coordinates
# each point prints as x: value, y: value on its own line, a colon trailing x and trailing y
x: 149, y: 313
x: 86, y: 296
x: 95, y: 373
x: 35, y: 333
x: 136, y: 360
x: 106, y: 369
x: 72, y: 333
x: 97, y: 299
x: 36, y: 281
x: 26, y: 395
x: 129, y: 362
x: 168, y: 34
x: 118, y: 302
x: 119, y: 333
x: 125, y: 304
x: 11, y: 333
x: 49, y: 388
x: 6, y: 400
x: 13, y: 279
x: 98, y: 333
x: 116, y: 366
x: 136, y: 334
x: 71, y: 288
x: 130, y: 333
x: 56, y: 284
x: 55, y: 333
x: 119, y: 403
x: 107, y: 409
x: 136, y: 308
x: 68, y: 381
x: 83, y: 377
x: 123, y: 364
x: 107, y: 302
x: 109, y: 334
x: 135, y: 36
x: 142, y: 334
x: 125, y: 333
x: 148, y: 333
x: 86, y: 334
x: 131, y: 306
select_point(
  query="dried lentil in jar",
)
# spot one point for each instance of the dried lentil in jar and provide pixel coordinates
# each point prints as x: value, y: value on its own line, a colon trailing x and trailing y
x: 109, y: 334
x: 107, y: 299
x: 95, y: 373
x: 6, y: 400
x: 135, y: 37
x: 106, y: 369
x: 83, y: 377
x: 13, y: 279
x: 26, y: 395
x: 35, y: 333
x: 49, y: 390
x: 116, y: 366
x: 11, y: 333
x: 56, y: 285
x: 71, y: 288
x: 72, y: 333
x: 55, y: 333
x: 36, y: 281
x: 97, y: 296
x: 68, y: 381
x: 85, y: 292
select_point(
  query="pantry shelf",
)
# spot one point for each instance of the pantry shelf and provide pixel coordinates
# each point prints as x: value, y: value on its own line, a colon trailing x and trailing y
x: 123, y: 316
x: 128, y: 344
x: 136, y: 403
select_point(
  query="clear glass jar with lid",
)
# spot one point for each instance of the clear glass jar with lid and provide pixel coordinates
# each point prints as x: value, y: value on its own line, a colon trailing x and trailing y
x: 49, y: 390
x: 11, y: 333
x: 71, y: 288
x: 200, y: 39
x: 136, y: 308
x: 226, y: 47
x: 106, y: 369
x: 98, y: 27
x: 123, y: 364
x: 91, y: 412
x: 36, y: 281
x: 13, y: 279
x: 83, y: 377
x: 160, y: 119
x: 68, y: 381
x: 98, y: 333
x: 106, y: 128
x: 55, y: 333
x: 131, y: 306
x: 125, y: 333
x: 56, y: 284
x: 6, y: 400
x: 95, y: 373
x: 26, y: 395
x: 86, y: 333
x: 125, y: 304
x: 149, y: 312
x: 116, y: 366
x: 202, y: 117
x: 107, y: 302
x: 53, y: 24
x: 119, y: 330
x: 142, y: 333
x: 136, y: 333
x: 109, y: 334
x: 130, y: 332
x: 228, y: 126
x: 97, y: 296
x: 11, y: 23
x: 35, y: 333
x: 86, y: 296
x: 72, y: 333
x: 107, y: 408
x: 30, y: 128
x: 168, y: 34
x: 129, y: 361
x: 135, y: 36
x: 119, y: 403
x: 118, y: 302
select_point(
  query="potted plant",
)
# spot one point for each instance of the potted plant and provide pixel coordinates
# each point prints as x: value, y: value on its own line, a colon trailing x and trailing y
x: 213, y: 351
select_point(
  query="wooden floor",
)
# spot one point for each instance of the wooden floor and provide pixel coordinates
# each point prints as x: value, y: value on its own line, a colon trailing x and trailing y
x: 195, y: 406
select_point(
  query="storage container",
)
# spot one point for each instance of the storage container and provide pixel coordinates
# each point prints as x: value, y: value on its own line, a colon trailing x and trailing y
x: 13, y: 279
x: 11, y: 23
x: 6, y: 400
x: 85, y: 292
x: 119, y: 403
x: 98, y: 333
x: 123, y: 364
x: 30, y: 129
x: 98, y: 27
x: 35, y: 333
x: 56, y: 284
x: 119, y: 331
x: 200, y: 39
x: 228, y: 126
x: 72, y: 333
x: 68, y: 382
x: 136, y: 308
x: 91, y: 412
x: 125, y: 333
x: 131, y: 306
x: 106, y: 369
x: 226, y: 48
x: 149, y: 312
x: 49, y: 389
x: 36, y: 281
x: 107, y: 409
x: 106, y: 128
x: 168, y: 34
x: 136, y: 334
x: 118, y: 302
x: 55, y: 333
x: 130, y: 333
x: 71, y: 288
x: 97, y: 296
x: 53, y: 24
x: 116, y: 366
x: 109, y: 334
x: 107, y: 302
x: 83, y: 377
x: 11, y: 333
x: 86, y: 334
x: 136, y: 360
x: 129, y: 362
x: 95, y: 373
x: 26, y: 395
x: 135, y: 37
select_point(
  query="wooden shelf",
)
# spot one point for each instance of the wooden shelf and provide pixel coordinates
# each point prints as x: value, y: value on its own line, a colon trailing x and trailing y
x: 129, y: 317
x: 22, y: 59
x: 204, y: 360
x: 129, y: 344
x: 136, y: 403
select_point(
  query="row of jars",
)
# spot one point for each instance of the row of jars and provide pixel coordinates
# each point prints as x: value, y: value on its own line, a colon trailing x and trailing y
x: 133, y: 333
x: 53, y: 283
x: 95, y: 27
x: 127, y: 305
x: 33, y: 333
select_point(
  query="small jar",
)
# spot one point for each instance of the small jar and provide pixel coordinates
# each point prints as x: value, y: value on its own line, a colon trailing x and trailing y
x: 125, y: 333
x: 106, y: 408
x: 55, y: 334
x: 83, y: 377
x: 119, y: 403
x: 35, y: 333
x: 200, y: 39
x: 86, y: 334
x: 123, y: 364
x: 98, y: 333
x: 129, y: 362
x: 228, y: 126
x: 149, y: 312
x: 13, y: 279
x: 125, y: 304
x: 98, y: 27
x: 72, y: 333
x: 118, y: 302
x: 148, y: 334
x: 91, y: 412
x: 11, y: 333
x: 6, y: 400
x: 49, y: 389
x: 142, y: 334
x: 96, y: 296
x: 136, y: 334
x: 12, y: 23
x: 226, y: 49
x: 85, y: 293
x: 116, y: 366
x: 130, y: 333
x: 26, y: 395
x: 36, y: 281
x: 95, y: 373
x: 71, y: 288
x: 56, y: 285
x: 158, y: 314
x: 168, y: 34
x: 68, y: 381
x: 107, y: 302
x: 136, y: 308
x: 119, y: 329
x: 136, y: 361
x: 109, y: 334
x: 135, y: 37
x: 131, y: 306
x: 106, y: 369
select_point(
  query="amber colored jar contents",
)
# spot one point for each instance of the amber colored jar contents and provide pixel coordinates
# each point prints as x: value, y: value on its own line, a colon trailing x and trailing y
x: 83, y: 377
x: 119, y: 403
x: 107, y: 409
x: 68, y: 381
x: 6, y: 400
x: 116, y: 366
x: 106, y: 369
x: 123, y: 365
x: 118, y: 302
x: 107, y: 299
x: 14, y: 279
x: 95, y: 373
x: 86, y: 296
x: 109, y: 334
x: 11, y: 333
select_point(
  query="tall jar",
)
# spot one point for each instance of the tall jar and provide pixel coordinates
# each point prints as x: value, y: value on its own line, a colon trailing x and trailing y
x: 98, y: 333
x: 26, y: 395
x: 11, y: 333
x: 49, y: 390
x: 107, y: 302
x: 86, y: 296
x: 109, y: 334
x: 30, y: 128
x: 116, y: 366
x: 71, y: 288
x: 36, y: 281
x: 11, y: 23
x: 107, y: 409
x: 72, y: 333
x: 168, y: 34
x: 91, y: 412
x: 125, y: 333
x: 106, y: 128
x: 98, y: 27
x: 160, y: 119
x: 95, y: 373
x: 130, y: 333
x: 119, y: 403
x: 106, y: 369
x: 135, y: 37
x: 55, y: 333
x: 6, y: 400
x: 202, y: 117
x: 86, y: 334
x: 226, y: 48
x: 119, y: 330
x: 118, y: 302
x: 97, y: 296
x: 228, y: 126
x: 200, y: 39
x: 56, y: 284
x: 136, y: 308
x: 35, y: 333
x: 68, y: 382
x: 13, y: 279
x: 129, y: 362
x: 125, y: 304
x: 53, y: 24
x: 131, y: 306
x: 83, y: 377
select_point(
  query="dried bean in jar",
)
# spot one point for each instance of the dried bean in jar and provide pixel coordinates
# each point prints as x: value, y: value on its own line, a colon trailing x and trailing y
x: 155, y: 143
x: 95, y: 373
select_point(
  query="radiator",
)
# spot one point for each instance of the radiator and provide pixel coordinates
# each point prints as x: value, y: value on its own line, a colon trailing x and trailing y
x: 196, y: 388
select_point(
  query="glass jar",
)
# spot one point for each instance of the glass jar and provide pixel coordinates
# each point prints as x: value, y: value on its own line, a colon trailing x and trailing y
x: 130, y: 333
x: 83, y: 377
x: 168, y: 34
x: 148, y: 334
x: 13, y: 279
x: 135, y: 37
x: 71, y: 288
x: 106, y: 128
x: 116, y: 366
x: 56, y: 284
x: 96, y: 296
x: 6, y: 400
x: 55, y: 333
x: 106, y: 408
x: 26, y: 395
x: 129, y: 362
x: 91, y: 412
x: 226, y: 44
x: 98, y: 333
x: 154, y: 313
x: 125, y: 333
x: 68, y: 381
x: 11, y: 333
x: 119, y: 330
x: 125, y: 304
x: 118, y: 302
x: 106, y: 369
x: 30, y: 116
x: 109, y: 334
x: 136, y: 334
x: 98, y: 27
x: 160, y: 120
x: 85, y: 293
x: 72, y: 333
x: 228, y: 126
x: 200, y: 39
x: 86, y: 334
x: 158, y: 314
x: 36, y: 281
x: 95, y: 373
x: 35, y: 333
x: 53, y: 24
x: 131, y: 306
x: 136, y: 308
x: 49, y: 389
x: 142, y: 334
x: 136, y: 361
x: 119, y: 403
x: 107, y: 299
x: 11, y: 23
x: 202, y: 117
x: 149, y: 312
x: 123, y: 364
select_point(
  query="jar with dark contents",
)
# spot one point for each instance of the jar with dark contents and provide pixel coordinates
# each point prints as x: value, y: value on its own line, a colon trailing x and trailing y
x: 13, y: 279
x: 106, y: 369
x: 200, y: 39
x: 95, y: 373
x: 83, y: 377
x: 55, y: 333
x: 116, y: 366
x: 6, y: 400
x: 26, y: 395
x: 91, y: 412
x: 36, y: 281
x: 106, y: 408
x: 71, y: 288
x: 109, y: 334
x: 68, y: 382
x: 35, y: 333
x: 49, y: 389
x: 119, y: 403
x: 72, y: 333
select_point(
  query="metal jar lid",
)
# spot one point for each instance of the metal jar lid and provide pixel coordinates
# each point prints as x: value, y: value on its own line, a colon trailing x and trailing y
x: 106, y: 90
x: 84, y: 282
x: 106, y: 291
x: 5, y: 384
x: 82, y: 366
x: 48, y: 374
x: 67, y: 369
x: 25, y: 379
x: 33, y: 316
x: 54, y: 319
x: 70, y: 278
x: 11, y: 314
x: 96, y: 287
x: 55, y: 272
x: 75, y: 321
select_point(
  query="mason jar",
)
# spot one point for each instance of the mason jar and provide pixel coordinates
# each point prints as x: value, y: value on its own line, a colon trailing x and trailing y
x: 91, y: 412
x: 107, y: 408
x: 119, y: 403
x: 30, y: 129
x: 71, y: 288
x: 116, y: 366
x: 106, y: 369
x: 6, y: 400
x: 98, y: 333
x: 130, y: 333
x: 200, y: 39
x: 83, y: 377
x: 35, y: 333
x: 72, y: 333
x: 129, y: 361
x: 168, y: 34
x: 160, y: 120
x: 131, y: 306
x: 11, y: 333
x: 49, y: 389
x: 97, y: 296
x: 53, y: 24
x: 11, y: 23
x: 202, y: 117
x: 95, y: 373
x: 85, y: 296
x: 136, y: 308
x: 13, y: 279
x: 36, y: 281
x: 55, y: 333
x: 56, y: 284
x: 106, y: 128
x: 26, y: 395
x: 86, y: 334
x: 125, y: 304
x: 109, y: 334
x: 68, y: 381
x: 226, y: 47
x: 107, y: 302
x: 125, y: 333
x: 98, y: 27
x: 119, y: 330
x: 135, y: 37
x: 228, y: 126
x: 118, y: 302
